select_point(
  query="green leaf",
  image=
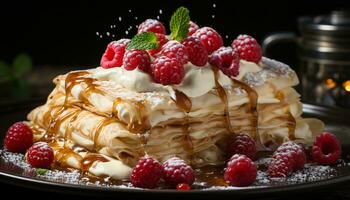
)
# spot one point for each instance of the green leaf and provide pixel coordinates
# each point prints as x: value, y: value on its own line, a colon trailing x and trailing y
x: 22, y: 64
x: 41, y: 171
x: 179, y: 24
x: 4, y: 70
x: 143, y: 41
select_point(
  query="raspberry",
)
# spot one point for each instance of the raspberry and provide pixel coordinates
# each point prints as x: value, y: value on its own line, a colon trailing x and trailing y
x: 176, y: 171
x: 113, y: 56
x: 287, y: 158
x: 19, y: 138
x: 241, y: 171
x: 242, y: 144
x: 136, y: 59
x: 147, y: 173
x: 247, y: 48
x: 40, y: 155
x: 193, y: 28
x: 326, y: 149
x: 175, y: 50
x: 183, y: 187
x: 227, y: 60
x: 197, y: 53
x: 161, y: 40
x: 209, y: 38
x: 151, y: 25
x: 167, y: 71
x: 280, y: 166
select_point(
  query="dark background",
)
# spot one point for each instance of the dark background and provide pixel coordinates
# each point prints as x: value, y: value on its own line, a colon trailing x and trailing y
x: 63, y: 33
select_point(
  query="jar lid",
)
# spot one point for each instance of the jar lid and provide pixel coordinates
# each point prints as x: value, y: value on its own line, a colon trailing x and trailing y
x: 326, y: 36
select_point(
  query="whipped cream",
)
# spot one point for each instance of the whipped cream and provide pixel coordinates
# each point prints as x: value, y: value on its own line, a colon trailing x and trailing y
x: 197, y: 81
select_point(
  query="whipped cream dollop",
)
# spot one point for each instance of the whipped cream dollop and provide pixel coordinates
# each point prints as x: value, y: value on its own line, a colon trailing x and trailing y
x: 197, y: 81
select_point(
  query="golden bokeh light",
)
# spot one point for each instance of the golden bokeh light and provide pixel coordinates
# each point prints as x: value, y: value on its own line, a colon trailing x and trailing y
x: 330, y: 83
x: 346, y: 85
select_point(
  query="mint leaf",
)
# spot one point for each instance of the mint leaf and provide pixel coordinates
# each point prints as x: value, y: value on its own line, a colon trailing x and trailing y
x: 143, y: 41
x: 179, y: 24
x: 22, y: 64
x: 41, y: 171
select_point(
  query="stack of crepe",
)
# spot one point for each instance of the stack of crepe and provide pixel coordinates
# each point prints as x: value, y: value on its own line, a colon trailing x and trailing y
x: 103, y: 120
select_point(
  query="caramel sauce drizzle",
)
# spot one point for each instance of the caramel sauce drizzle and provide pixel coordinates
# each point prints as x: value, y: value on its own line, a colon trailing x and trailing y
x: 184, y: 103
x: 253, y: 104
x: 291, y: 120
x: 56, y: 119
x: 90, y: 159
x: 103, y: 123
x: 223, y: 96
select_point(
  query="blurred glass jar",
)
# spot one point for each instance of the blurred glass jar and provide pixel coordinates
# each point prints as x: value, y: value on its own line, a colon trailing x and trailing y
x: 324, y: 55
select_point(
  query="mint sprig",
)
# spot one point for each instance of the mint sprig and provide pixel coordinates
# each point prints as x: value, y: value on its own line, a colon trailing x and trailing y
x: 143, y: 41
x: 179, y: 24
x: 41, y: 171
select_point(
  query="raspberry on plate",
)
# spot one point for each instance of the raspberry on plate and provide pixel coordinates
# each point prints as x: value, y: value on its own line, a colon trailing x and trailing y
x: 167, y: 71
x: 287, y: 158
x: 113, y: 56
x: 151, y: 25
x: 240, y: 171
x: 183, y: 187
x: 174, y: 49
x: 242, y: 144
x: 209, y: 38
x: 136, y: 59
x: 19, y: 138
x: 247, y: 48
x: 40, y: 155
x: 280, y: 166
x: 197, y: 53
x: 147, y: 173
x: 227, y: 60
x: 193, y: 28
x: 176, y: 171
x: 326, y: 149
x: 161, y: 40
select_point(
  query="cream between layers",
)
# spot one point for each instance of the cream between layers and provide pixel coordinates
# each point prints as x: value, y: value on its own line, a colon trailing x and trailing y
x: 133, y: 100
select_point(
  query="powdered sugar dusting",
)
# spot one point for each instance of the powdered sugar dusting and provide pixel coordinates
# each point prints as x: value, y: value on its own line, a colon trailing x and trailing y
x: 311, y: 173
x: 271, y: 69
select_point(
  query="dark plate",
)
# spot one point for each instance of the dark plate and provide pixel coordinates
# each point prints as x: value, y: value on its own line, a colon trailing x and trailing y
x: 337, y: 121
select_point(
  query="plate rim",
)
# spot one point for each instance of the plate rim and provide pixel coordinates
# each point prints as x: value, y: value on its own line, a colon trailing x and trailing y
x: 35, y: 183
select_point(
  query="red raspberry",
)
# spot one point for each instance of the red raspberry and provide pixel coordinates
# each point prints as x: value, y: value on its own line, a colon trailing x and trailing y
x: 113, y: 56
x: 167, y: 71
x: 136, y: 59
x: 147, y: 173
x: 161, y: 40
x: 241, y: 171
x: 40, y: 155
x: 247, y: 48
x: 227, y: 60
x: 280, y: 166
x: 287, y: 158
x: 193, y: 28
x: 242, y: 144
x: 176, y: 171
x: 151, y: 25
x: 183, y: 187
x: 209, y: 38
x: 19, y: 138
x: 197, y: 53
x: 326, y: 149
x: 174, y: 49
